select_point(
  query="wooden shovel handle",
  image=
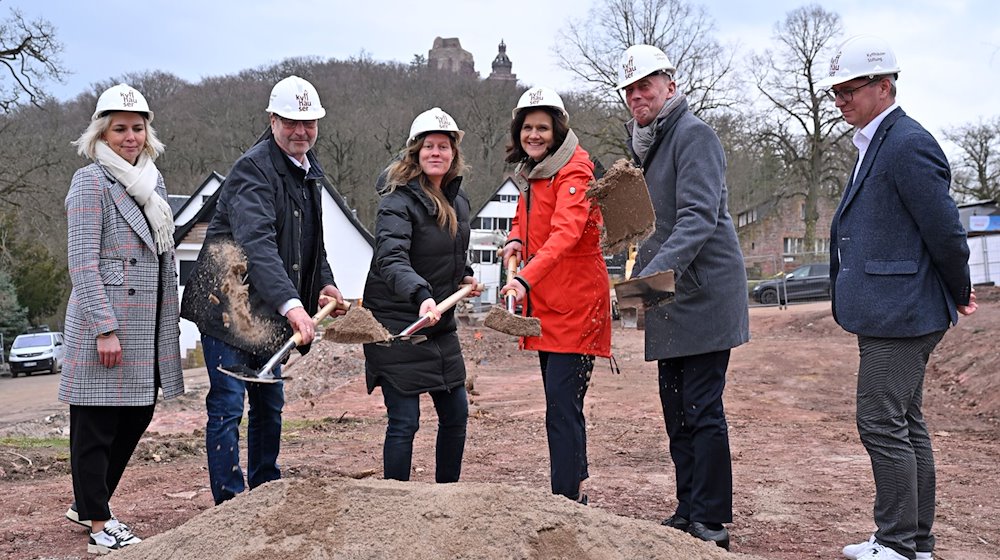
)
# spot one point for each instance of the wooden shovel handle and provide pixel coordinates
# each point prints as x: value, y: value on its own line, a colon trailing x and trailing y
x: 445, y: 305
x: 322, y: 314
x: 511, y: 272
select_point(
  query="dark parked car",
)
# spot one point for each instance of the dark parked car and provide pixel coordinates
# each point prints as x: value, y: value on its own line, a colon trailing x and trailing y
x: 809, y: 281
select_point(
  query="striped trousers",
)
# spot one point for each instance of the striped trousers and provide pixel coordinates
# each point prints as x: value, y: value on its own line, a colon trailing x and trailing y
x: 892, y: 429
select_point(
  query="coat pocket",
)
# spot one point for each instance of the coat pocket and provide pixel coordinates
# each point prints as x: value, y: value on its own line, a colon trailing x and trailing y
x: 112, y: 272
x: 891, y: 267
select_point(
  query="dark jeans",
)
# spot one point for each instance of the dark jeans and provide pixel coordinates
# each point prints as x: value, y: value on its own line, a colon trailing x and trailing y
x: 691, y: 396
x: 565, y: 378
x: 892, y: 429
x: 101, y: 442
x: 404, y: 421
x: 224, y: 405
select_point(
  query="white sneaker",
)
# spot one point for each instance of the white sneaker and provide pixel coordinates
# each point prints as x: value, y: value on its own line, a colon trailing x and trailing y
x: 879, y: 552
x: 114, y: 536
x: 855, y: 551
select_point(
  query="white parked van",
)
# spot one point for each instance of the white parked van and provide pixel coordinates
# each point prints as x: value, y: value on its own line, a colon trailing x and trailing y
x: 40, y: 351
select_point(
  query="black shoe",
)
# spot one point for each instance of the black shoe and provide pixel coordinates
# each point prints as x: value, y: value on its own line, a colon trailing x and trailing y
x: 677, y: 522
x: 583, y: 500
x: 720, y: 537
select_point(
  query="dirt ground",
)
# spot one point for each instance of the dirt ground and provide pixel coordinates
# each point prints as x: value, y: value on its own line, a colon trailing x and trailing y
x: 802, y: 480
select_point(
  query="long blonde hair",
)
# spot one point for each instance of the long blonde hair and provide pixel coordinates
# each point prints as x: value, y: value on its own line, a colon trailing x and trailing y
x: 407, y: 168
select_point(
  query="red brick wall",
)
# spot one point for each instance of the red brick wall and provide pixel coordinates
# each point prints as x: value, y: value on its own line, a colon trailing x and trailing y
x: 763, y: 240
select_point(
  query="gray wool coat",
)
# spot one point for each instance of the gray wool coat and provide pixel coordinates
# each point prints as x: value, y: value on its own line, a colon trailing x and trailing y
x: 685, y: 171
x: 119, y: 284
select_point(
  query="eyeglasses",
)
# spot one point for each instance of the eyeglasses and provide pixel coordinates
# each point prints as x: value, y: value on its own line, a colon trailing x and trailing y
x: 847, y: 95
x: 292, y: 124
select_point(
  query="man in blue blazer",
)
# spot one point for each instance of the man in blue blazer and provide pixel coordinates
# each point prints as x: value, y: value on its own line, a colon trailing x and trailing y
x: 899, y: 277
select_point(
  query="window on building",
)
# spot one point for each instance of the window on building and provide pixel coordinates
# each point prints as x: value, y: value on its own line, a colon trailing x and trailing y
x: 480, y: 256
x: 797, y: 245
x: 794, y: 245
x: 746, y: 218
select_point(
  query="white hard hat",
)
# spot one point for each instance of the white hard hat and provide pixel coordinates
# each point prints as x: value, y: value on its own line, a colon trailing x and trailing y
x: 122, y: 98
x: 539, y: 97
x: 861, y: 55
x: 434, y: 120
x: 639, y: 61
x: 295, y: 99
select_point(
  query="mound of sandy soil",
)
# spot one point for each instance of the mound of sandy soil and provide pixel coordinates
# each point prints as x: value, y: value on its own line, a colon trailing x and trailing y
x: 374, y: 519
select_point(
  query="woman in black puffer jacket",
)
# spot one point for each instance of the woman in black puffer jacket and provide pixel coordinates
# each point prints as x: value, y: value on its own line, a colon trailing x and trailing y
x: 421, y: 240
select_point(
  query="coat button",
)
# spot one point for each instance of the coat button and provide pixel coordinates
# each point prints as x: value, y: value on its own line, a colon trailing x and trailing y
x: 131, y: 262
x: 131, y: 291
x: 295, y: 267
x: 295, y: 213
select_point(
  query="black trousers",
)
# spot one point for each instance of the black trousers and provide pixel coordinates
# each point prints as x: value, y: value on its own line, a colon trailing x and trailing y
x: 101, y: 442
x: 691, y: 396
x: 565, y: 378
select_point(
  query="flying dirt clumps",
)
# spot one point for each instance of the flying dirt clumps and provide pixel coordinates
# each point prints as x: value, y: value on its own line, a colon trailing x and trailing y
x: 357, y: 326
x: 381, y: 519
x: 628, y: 213
x: 230, y: 269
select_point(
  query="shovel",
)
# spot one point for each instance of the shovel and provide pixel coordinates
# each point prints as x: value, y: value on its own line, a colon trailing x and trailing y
x: 407, y: 334
x: 646, y: 291
x: 507, y: 320
x: 264, y: 375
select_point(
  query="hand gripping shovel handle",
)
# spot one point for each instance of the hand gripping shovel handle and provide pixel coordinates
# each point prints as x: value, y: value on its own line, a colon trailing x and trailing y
x: 510, y: 298
x: 445, y: 305
x: 296, y: 338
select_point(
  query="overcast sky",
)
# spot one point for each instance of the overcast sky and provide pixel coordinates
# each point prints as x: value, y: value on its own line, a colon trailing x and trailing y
x: 949, y: 50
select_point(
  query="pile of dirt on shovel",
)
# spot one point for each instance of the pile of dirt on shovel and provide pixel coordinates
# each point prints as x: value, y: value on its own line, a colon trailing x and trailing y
x: 380, y: 519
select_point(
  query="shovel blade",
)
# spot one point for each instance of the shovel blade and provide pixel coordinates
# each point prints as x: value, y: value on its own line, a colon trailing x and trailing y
x: 243, y: 373
x: 647, y: 291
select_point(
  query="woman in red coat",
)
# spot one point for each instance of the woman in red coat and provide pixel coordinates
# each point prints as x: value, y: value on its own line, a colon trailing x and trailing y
x: 564, y: 282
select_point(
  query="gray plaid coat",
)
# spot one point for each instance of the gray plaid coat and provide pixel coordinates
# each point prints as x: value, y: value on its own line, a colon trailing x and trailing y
x: 119, y: 284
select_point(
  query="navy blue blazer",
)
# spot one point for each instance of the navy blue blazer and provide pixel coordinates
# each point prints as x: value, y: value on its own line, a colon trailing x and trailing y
x: 898, y: 251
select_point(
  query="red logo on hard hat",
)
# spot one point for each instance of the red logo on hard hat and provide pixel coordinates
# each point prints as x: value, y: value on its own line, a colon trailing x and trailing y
x: 304, y: 103
x: 128, y: 98
x: 629, y: 68
x: 536, y: 97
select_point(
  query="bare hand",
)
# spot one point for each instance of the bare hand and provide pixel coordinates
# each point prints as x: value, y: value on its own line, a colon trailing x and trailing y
x: 331, y: 292
x: 429, y: 309
x: 516, y: 287
x: 109, y: 349
x: 509, y: 249
x: 477, y: 289
x: 972, y: 307
x: 302, y: 323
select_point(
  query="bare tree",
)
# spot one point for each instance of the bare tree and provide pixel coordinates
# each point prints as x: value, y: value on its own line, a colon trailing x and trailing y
x: 803, y: 127
x: 976, y: 174
x: 29, y: 53
x: 591, y: 48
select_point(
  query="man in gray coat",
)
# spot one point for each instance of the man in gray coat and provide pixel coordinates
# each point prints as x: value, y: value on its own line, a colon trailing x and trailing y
x: 899, y: 276
x: 690, y: 338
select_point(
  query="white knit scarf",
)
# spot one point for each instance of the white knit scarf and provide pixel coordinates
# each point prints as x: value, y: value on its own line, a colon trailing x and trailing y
x: 139, y: 181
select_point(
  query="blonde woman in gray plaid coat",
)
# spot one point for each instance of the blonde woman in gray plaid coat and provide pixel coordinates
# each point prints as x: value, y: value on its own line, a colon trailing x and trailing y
x: 122, y: 318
